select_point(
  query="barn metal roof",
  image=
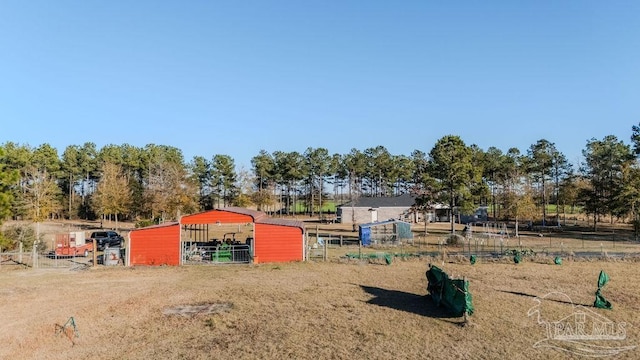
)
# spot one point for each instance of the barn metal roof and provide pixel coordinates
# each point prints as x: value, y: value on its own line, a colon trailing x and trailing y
x: 255, y: 214
x: 282, y: 222
x: 167, y: 224
x: 260, y: 217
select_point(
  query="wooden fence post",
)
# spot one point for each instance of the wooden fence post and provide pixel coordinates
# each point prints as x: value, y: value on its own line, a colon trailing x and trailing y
x: 94, y: 252
x: 35, y: 255
x: 325, y: 250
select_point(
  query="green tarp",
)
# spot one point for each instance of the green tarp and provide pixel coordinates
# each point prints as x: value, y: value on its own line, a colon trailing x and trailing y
x: 601, y: 302
x: 472, y: 259
x: 517, y: 258
x: 453, y: 294
x: 388, y: 258
x: 558, y: 260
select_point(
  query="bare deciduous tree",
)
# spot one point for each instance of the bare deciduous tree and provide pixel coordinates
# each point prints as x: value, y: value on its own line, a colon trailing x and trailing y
x: 112, y: 195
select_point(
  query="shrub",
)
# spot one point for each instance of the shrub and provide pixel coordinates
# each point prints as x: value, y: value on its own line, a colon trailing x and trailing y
x: 144, y: 223
x: 455, y: 239
x: 13, y: 235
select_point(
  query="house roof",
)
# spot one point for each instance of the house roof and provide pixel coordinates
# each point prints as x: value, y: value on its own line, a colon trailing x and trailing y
x: 404, y: 200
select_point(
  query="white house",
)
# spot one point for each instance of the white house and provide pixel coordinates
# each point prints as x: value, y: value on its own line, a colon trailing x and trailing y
x: 373, y: 209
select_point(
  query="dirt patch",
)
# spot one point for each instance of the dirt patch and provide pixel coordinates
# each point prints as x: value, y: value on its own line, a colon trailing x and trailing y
x: 195, y: 310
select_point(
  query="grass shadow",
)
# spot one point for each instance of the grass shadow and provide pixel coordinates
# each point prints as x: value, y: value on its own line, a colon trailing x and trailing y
x: 408, y: 302
x: 546, y: 299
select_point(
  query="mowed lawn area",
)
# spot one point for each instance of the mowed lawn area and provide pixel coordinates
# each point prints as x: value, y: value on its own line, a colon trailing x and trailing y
x: 335, y: 310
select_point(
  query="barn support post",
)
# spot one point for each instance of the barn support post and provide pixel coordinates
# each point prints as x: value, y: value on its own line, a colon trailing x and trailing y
x: 127, y: 253
x: 305, y: 244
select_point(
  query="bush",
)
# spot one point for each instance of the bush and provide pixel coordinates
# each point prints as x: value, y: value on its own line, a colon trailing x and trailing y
x: 523, y: 252
x: 455, y: 240
x: 13, y: 235
x: 5, y: 244
x: 145, y: 223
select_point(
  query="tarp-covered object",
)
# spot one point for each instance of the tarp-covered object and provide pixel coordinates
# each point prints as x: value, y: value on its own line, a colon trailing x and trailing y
x: 451, y: 293
x: 517, y: 258
x: 601, y: 302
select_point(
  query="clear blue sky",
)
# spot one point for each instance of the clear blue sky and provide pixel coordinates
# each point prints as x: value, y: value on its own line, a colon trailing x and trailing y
x: 235, y: 77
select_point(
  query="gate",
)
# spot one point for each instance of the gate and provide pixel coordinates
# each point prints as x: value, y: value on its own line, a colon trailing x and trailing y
x: 18, y: 259
x: 201, y: 253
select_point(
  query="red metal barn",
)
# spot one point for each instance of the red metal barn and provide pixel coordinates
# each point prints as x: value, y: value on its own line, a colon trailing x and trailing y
x: 232, y: 235
x: 278, y: 240
x: 269, y: 240
x: 154, y: 245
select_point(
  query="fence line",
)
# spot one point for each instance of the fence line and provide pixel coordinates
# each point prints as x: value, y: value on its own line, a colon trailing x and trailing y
x: 36, y: 260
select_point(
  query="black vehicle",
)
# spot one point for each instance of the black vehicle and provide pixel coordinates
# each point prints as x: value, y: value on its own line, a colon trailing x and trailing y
x: 106, y: 239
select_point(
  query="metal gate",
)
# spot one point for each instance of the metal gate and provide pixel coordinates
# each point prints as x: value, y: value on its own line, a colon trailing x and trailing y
x: 201, y: 253
x: 18, y: 259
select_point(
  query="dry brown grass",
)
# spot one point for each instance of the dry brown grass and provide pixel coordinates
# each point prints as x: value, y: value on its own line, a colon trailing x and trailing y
x: 334, y: 310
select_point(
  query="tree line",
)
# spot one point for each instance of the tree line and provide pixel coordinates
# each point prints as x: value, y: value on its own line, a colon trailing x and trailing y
x: 154, y: 183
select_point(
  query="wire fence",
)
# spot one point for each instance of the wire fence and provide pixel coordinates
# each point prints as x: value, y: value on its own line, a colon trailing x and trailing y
x: 327, y: 247
x: 494, y: 244
x: 34, y: 260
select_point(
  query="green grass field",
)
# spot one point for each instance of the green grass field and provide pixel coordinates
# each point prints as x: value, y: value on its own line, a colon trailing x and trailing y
x: 327, y: 207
